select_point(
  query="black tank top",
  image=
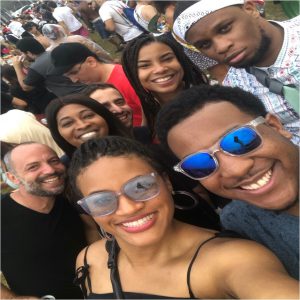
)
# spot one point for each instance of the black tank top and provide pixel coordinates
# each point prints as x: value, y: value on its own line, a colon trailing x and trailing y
x: 82, y: 275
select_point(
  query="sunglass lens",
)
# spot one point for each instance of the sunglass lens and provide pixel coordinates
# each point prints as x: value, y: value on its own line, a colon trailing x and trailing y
x: 142, y: 188
x: 199, y: 165
x: 240, y: 141
x: 100, y: 204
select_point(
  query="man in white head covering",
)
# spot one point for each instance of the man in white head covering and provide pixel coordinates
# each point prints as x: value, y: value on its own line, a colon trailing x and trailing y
x: 234, y: 33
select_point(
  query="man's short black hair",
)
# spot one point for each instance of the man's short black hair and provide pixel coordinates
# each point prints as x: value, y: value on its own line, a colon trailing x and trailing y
x: 29, y: 25
x: 109, y: 146
x: 194, y: 99
x: 91, y: 88
x: 65, y: 56
x: 30, y: 44
x: 51, y: 4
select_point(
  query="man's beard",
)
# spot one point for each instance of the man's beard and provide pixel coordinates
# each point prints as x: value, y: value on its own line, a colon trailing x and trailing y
x: 260, y: 52
x: 35, y: 187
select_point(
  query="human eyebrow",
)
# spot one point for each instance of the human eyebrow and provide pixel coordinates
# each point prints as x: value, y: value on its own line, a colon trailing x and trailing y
x: 63, y: 119
x: 73, y: 71
x: 54, y: 159
x: 87, y: 110
x: 167, y: 54
x: 119, y: 100
x: 223, y: 24
x: 143, y: 61
x: 200, y: 44
x: 99, y: 191
x: 31, y: 165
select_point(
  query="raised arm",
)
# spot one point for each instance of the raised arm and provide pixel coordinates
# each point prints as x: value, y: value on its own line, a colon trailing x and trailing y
x: 110, y: 25
x: 234, y: 268
x: 18, y: 66
x: 255, y: 272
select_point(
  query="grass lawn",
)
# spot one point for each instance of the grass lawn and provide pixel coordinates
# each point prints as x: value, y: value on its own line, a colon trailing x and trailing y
x: 274, y: 11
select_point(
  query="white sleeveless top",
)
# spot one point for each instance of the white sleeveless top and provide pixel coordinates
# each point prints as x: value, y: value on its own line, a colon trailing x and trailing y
x: 138, y: 17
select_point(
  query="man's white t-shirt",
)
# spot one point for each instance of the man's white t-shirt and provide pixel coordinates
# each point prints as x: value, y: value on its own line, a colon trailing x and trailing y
x: 65, y: 14
x: 16, y: 28
x: 113, y: 9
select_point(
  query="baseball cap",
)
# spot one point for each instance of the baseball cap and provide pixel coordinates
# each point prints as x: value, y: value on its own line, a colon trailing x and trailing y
x: 65, y: 56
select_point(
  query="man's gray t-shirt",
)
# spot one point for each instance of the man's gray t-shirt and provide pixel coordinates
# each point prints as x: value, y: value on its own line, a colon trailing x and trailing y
x: 42, y: 73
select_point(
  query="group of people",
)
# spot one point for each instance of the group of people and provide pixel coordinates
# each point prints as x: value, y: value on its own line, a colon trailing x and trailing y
x: 148, y: 178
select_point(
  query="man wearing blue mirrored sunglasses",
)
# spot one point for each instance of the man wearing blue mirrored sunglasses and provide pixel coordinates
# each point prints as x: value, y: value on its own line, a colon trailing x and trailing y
x: 225, y: 139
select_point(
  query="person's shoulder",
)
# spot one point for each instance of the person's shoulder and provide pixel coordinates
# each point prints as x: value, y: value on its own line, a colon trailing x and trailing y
x: 45, y: 57
x: 18, y: 113
x: 289, y: 24
x: 106, y: 5
x: 237, y: 206
x: 225, y: 252
x: 68, y: 9
x: 238, y: 212
x: 92, y: 253
x: 293, y: 21
x: 63, y: 201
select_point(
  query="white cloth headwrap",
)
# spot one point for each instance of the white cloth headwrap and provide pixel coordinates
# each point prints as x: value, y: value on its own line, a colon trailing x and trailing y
x: 196, y: 12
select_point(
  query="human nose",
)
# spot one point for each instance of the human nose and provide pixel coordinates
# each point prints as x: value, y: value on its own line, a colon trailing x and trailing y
x: 48, y: 169
x: 127, y: 206
x: 81, y: 124
x: 233, y: 166
x: 159, y: 68
x: 116, y: 109
x: 222, y: 45
x: 73, y: 78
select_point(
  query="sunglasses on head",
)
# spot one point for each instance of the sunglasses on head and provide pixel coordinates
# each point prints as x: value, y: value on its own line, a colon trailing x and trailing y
x: 140, y: 188
x: 237, y: 142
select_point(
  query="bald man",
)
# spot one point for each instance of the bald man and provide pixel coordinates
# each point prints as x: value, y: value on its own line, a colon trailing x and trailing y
x: 41, y: 233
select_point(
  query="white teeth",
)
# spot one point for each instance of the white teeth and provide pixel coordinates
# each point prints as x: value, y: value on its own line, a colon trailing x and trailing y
x: 138, y: 222
x: 123, y: 117
x: 260, y: 183
x: 88, y: 135
x: 51, y: 179
x: 163, y: 79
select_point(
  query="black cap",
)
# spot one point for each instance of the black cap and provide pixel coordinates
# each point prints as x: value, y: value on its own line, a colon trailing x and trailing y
x: 66, y: 56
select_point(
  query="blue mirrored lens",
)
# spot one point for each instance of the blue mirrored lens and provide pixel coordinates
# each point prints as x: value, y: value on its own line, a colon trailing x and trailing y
x: 199, y: 165
x: 240, y: 141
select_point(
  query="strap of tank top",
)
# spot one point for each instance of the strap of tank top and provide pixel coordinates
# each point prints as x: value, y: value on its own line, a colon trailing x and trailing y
x: 188, y: 279
x: 82, y: 274
x: 222, y: 234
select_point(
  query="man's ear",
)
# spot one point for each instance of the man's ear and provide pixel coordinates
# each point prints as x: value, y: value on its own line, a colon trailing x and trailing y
x: 274, y: 122
x: 13, y: 178
x: 249, y: 8
x: 91, y: 61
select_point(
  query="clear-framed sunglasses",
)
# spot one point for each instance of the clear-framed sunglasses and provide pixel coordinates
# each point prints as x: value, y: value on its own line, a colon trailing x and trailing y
x: 140, y: 188
x: 237, y: 142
